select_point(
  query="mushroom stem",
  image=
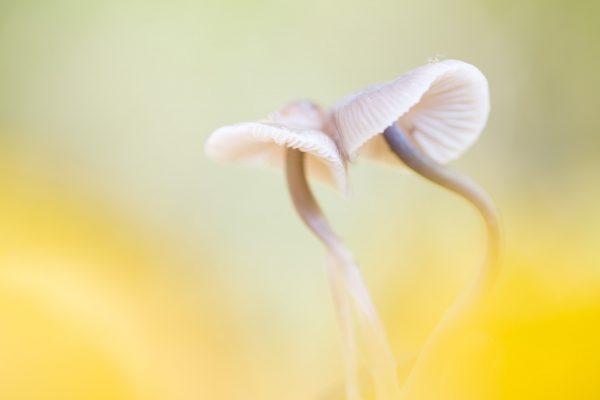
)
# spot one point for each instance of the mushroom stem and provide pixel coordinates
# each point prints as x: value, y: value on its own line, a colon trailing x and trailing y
x: 411, y: 155
x: 344, y: 317
x: 345, y: 278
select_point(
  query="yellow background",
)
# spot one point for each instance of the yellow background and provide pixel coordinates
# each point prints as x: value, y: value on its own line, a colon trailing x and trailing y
x: 131, y: 267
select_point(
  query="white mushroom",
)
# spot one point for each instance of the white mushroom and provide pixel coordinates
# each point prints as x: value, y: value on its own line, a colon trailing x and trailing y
x: 296, y: 138
x: 443, y: 106
x: 264, y: 143
x: 423, y: 119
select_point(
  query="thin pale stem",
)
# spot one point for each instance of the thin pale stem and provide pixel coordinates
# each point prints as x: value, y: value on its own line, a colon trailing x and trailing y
x: 412, y: 156
x: 343, y: 308
x: 346, y: 280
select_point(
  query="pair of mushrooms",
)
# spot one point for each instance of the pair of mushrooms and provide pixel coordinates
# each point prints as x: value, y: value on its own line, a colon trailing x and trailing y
x: 421, y: 120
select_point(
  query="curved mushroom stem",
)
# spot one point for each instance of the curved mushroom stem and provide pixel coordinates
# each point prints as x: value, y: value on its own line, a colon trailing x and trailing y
x: 345, y: 280
x: 411, y: 155
x: 408, y: 152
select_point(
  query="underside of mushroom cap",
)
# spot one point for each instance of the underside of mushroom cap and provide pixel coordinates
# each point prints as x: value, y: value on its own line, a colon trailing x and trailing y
x: 443, y: 106
x: 264, y: 143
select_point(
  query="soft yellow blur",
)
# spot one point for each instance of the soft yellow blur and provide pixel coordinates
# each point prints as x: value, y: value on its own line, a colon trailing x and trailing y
x: 131, y: 267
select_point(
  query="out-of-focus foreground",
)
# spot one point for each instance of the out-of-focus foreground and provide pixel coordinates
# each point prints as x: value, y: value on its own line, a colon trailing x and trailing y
x: 133, y: 268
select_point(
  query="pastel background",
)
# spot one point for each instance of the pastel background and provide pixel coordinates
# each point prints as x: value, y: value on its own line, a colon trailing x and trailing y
x: 131, y: 267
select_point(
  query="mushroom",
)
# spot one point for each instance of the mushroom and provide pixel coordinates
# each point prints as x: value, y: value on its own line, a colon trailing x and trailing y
x: 423, y: 119
x: 296, y: 127
x: 296, y: 137
x: 428, y: 116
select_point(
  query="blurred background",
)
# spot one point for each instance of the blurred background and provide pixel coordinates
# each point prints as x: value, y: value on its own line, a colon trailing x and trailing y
x: 131, y: 267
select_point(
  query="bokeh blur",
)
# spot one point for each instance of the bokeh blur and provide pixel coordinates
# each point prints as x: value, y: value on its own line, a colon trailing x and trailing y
x: 132, y: 267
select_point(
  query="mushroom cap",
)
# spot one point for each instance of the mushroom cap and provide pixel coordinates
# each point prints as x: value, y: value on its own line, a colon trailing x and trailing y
x: 298, y: 125
x: 443, y: 106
